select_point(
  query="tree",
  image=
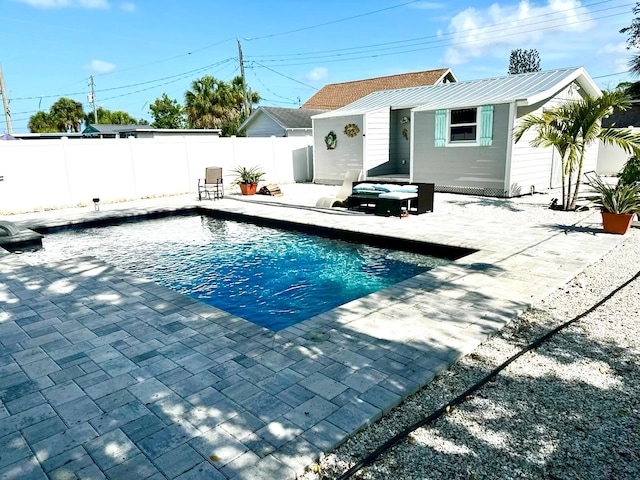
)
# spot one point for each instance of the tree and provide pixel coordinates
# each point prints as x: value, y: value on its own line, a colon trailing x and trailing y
x: 108, y: 117
x: 524, y: 61
x: 42, y: 122
x: 633, y: 40
x: 166, y: 113
x: 212, y: 103
x: 67, y: 114
x: 574, y: 125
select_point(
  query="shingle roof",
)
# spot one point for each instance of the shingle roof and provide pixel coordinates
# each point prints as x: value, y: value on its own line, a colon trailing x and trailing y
x: 336, y: 95
x: 624, y: 119
x: 285, y: 117
x: 107, y: 128
x: 526, y: 89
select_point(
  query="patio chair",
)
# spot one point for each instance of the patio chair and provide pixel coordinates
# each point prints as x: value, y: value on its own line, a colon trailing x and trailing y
x: 211, y: 184
x: 343, y: 193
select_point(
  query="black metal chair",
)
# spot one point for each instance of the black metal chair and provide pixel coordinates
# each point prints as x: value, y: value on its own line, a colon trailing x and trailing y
x: 211, y: 185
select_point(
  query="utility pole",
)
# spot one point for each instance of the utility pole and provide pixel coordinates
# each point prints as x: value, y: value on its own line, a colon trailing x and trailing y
x: 92, y: 99
x: 245, y: 99
x: 5, y: 103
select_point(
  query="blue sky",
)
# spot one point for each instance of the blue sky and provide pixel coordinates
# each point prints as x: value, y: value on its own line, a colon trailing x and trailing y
x: 139, y: 49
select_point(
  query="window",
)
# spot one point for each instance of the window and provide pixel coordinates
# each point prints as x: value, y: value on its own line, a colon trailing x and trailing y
x: 463, y: 125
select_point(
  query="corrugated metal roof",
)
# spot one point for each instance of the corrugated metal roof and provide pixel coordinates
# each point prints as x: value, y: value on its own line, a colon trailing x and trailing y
x: 526, y: 89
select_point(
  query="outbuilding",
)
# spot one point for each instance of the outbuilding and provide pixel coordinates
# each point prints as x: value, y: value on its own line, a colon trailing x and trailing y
x: 458, y: 136
x: 279, y: 122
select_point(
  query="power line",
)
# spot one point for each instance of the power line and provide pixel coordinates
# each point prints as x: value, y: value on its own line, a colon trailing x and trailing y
x: 283, y: 75
x: 333, y: 21
x: 270, y: 91
x: 399, y: 52
x: 376, y: 45
x: 437, y: 39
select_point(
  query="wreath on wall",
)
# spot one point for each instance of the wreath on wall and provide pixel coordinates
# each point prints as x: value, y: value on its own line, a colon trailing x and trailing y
x: 405, y: 133
x: 331, y: 140
x: 351, y: 130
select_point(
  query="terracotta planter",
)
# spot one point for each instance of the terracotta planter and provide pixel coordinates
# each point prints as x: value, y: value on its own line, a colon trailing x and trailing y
x: 616, y: 222
x: 248, y: 188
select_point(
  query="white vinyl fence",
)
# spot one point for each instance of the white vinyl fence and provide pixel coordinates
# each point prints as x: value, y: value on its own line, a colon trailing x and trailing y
x: 611, y: 158
x: 43, y: 174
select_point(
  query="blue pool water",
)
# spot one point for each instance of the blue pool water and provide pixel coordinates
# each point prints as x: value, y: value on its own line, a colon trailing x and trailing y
x: 275, y: 278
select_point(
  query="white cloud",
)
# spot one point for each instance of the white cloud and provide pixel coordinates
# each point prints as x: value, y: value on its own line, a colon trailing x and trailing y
x: 475, y: 33
x: 99, y: 66
x: 617, y: 56
x: 128, y: 6
x: 92, y: 4
x: 317, y: 74
x: 615, y: 49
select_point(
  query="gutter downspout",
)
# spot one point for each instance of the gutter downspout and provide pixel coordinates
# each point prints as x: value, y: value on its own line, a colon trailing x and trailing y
x: 509, y: 154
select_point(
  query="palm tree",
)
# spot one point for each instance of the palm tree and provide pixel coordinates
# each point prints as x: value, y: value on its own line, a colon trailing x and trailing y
x: 214, y: 103
x: 68, y: 114
x: 42, y: 122
x: 573, y: 126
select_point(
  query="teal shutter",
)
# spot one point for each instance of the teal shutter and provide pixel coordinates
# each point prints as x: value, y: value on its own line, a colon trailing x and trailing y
x: 486, y: 125
x: 440, y: 136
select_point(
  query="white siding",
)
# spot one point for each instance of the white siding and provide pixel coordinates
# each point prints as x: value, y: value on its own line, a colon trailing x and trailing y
x: 264, y: 126
x: 376, y: 139
x: 531, y: 168
x: 472, y: 167
x: 330, y: 166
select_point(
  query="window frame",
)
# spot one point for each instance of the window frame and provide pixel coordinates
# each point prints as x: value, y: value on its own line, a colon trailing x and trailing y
x: 476, y: 141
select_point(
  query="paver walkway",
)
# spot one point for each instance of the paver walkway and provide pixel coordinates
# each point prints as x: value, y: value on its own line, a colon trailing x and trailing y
x: 106, y: 375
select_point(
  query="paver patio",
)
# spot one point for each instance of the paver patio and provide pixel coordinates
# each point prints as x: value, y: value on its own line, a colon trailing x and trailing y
x: 107, y: 375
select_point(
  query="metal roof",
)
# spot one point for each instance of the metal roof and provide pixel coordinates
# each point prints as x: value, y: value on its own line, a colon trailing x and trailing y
x: 525, y: 89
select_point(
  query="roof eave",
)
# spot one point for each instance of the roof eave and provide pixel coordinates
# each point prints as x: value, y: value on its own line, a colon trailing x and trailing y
x: 580, y: 75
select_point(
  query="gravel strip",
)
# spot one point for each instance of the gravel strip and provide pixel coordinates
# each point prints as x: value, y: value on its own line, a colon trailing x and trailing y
x: 568, y: 410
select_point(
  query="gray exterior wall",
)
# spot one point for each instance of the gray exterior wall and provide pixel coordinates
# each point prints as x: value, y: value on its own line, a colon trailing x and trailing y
x: 330, y: 166
x: 263, y: 126
x: 463, y: 167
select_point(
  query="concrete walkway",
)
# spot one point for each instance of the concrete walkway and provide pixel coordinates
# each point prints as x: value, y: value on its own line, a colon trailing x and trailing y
x: 105, y: 375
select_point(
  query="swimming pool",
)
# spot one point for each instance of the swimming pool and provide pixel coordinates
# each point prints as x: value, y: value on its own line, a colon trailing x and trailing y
x: 272, y: 277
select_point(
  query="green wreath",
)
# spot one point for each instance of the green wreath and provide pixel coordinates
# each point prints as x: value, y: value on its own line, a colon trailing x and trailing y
x: 331, y: 140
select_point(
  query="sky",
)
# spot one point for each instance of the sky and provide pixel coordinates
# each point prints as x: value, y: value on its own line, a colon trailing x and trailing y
x: 136, y: 50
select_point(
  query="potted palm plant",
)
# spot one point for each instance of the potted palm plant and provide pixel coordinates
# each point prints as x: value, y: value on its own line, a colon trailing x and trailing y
x: 618, y: 203
x: 248, y: 179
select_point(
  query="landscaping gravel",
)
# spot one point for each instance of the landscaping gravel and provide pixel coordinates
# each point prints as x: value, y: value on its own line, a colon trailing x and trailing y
x: 568, y: 410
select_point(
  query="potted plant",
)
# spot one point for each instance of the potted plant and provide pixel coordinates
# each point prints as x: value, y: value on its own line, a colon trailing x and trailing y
x: 618, y: 203
x: 248, y: 179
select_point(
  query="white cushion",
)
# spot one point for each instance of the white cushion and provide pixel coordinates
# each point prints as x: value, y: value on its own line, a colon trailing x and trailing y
x: 398, y: 195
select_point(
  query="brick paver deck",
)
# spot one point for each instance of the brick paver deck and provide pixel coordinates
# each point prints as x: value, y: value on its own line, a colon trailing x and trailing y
x: 107, y: 375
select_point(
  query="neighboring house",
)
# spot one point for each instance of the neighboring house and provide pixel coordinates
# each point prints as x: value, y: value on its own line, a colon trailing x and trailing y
x: 336, y: 95
x: 611, y: 159
x: 456, y: 135
x: 142, y: 131
x: 279, y: 122
x: 46, y: 136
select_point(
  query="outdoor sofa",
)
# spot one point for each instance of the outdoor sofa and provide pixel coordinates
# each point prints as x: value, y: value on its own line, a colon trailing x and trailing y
x: 391, y: 198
